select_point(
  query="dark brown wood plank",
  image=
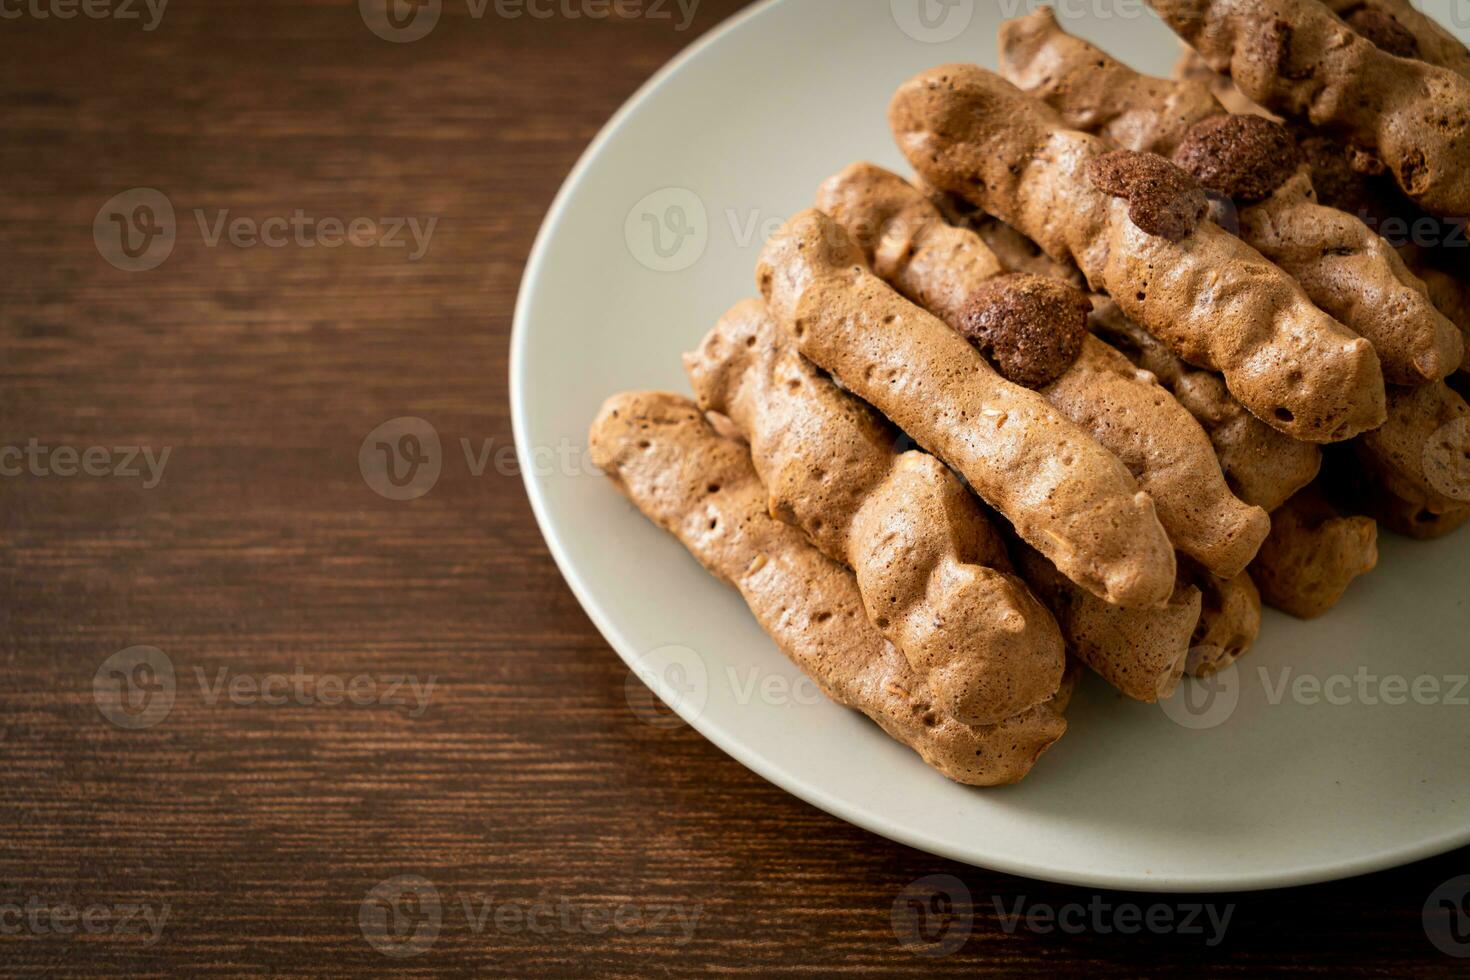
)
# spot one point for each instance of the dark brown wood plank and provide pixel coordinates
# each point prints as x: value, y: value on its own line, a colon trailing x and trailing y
x: 528, y: 780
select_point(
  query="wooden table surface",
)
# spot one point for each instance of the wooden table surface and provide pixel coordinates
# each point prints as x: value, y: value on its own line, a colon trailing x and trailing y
x: 550, y: 821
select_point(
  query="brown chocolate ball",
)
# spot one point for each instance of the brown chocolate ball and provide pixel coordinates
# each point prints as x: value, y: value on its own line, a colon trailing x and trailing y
x: 1030, y: 327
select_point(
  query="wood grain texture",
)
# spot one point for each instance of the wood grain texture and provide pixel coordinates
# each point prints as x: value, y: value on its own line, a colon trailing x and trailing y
x: 529, y: 778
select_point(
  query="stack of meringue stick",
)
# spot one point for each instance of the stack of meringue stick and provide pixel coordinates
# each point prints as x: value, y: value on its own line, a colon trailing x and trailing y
x: 1157, y: 361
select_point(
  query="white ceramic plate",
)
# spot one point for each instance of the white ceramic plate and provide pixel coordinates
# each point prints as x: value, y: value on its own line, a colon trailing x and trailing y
x: 1252, y: 787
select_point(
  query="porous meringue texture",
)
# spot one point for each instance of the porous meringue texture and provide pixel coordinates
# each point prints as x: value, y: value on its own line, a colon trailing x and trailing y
x: 1386, y: 33
x: 1419, y: 455
x: 1102, y: 95
x: 1229, y: 622
x: 663, y: 455
x: 1263, y: 467
x: 1313, y: 554
x: 1413, y: 34
x: 1064, y: 494
x: 933, y: 573
x: 1141, y: 652
x: 1213, y: 299
x: 1344, y: 267
x: 1298, y: 59
x: 1124, y: 409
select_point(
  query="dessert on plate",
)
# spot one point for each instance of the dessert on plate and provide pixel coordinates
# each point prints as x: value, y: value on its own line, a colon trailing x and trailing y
x: 1121, y: 361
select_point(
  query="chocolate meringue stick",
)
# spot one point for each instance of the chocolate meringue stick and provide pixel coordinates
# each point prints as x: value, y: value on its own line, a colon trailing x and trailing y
x: 1400, y: 28
x: 1213, y: 299
x: 1345, y: 268
x: 1141, y: 652
x: 944, y: 269
x: 1313, y: 554
x: 1298, y: 59
x: 660, y: 452
x: 1421, y: 455
x: 1262, y: 466
x: 1066, y: 495
x: 933, y: 573
x: 1192, y: 68
x: 1229, y: 622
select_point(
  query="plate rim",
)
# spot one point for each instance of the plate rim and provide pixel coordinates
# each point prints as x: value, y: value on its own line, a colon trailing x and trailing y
x: 849, y: 812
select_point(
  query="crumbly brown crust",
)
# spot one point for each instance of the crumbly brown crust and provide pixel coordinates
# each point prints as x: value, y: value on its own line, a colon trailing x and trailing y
x: 1240, y: 157
x: 933, y: 573
x: 1163, y: 199
x: 1064, y: 493
x: 1216, y: 301
x: 1297, y: 58
x: 1017, y: 253
x: 660, y: 452
x: 1313, y: 554
x: 1030, y: 327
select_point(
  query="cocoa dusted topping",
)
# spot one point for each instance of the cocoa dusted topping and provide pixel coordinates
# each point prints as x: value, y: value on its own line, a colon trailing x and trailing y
x: 1163, y: 199
x: 1241, y: 157
x: 1030, y: 327
x: 1386, y: 33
